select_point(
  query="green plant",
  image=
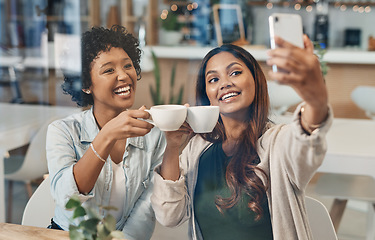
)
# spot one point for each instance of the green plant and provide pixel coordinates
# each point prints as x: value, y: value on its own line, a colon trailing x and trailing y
x: 320, y: 52
x: 171, y: 23
x: 156, y: 91
x: 91, y: 225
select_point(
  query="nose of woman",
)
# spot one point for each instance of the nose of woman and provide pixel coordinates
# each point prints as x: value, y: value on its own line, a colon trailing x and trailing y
x: 225, y: 83
x: 122, y: 75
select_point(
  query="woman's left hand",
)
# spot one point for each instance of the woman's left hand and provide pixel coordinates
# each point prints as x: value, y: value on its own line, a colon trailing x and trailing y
x: 304, y: 74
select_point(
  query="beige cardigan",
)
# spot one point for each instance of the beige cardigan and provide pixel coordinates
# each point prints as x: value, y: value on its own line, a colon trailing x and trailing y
x: 289, y: 157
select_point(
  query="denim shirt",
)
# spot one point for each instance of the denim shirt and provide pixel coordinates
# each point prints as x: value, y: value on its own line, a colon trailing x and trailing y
x: 67, y: 141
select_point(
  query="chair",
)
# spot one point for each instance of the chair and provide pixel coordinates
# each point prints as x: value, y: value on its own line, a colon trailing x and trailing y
x: 364, y: 98
x: 319, y: 219
x: 40, y: 208
x: 31, y: 166
x: 344, y: 187
x: 281, y: 97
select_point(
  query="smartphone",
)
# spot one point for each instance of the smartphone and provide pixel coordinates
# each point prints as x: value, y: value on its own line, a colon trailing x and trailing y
x: 288, y: 27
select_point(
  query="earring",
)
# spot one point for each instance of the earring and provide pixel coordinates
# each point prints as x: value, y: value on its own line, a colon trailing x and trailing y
x: 87, y: 91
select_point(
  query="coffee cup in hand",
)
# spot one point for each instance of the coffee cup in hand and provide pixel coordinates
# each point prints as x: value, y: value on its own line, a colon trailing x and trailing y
x: 168, y: 117
x: 202, y: 119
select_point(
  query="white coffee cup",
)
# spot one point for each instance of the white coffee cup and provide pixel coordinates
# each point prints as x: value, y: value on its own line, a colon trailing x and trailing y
x: 202, y: 119
x: 168, y: 117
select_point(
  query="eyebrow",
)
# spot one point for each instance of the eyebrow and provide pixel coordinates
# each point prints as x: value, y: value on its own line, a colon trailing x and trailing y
x: 228, y: 67
x: 108, y: 63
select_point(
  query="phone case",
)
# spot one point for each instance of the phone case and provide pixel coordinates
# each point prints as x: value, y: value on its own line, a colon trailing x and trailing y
x: 288, y: 27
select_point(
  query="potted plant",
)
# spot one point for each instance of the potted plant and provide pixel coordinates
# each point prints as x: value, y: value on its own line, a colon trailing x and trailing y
x: 170, y: 32
x: 155, y: 91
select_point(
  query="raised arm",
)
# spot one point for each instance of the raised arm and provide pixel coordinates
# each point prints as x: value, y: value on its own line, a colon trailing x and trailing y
x: 170, y: 168
x: 116, y: 131
x: 305, y: 76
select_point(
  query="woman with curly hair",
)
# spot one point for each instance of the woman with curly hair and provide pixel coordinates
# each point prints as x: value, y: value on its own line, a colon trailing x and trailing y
x: 106, y: 154
x: 246, y: 179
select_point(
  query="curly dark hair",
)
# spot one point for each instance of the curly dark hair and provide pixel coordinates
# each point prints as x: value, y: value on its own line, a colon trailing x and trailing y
x: 93, y: 42
x: 241, y: 171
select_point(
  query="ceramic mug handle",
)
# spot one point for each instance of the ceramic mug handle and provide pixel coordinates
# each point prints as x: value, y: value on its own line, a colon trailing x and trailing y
x: 148, y: 120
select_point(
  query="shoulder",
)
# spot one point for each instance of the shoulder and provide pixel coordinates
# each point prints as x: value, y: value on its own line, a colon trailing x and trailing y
x: 197, y: 139
x: 271, y: 131
x: 69, y: 123
x: 196, y: 145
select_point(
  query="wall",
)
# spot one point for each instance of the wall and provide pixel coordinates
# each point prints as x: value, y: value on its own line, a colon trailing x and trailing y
x: 338, y: 21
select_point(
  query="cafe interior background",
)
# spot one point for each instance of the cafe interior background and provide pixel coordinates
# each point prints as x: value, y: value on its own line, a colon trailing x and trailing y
x: 40, y: 39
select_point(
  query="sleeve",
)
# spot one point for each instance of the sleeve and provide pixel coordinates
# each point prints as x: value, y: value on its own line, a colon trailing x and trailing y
x: 61, y: 158
x: 170, y: 199
x: 141, y: 221
x: 301, y: 154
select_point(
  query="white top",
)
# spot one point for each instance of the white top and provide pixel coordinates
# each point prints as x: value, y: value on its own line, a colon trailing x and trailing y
x: 118, y: 190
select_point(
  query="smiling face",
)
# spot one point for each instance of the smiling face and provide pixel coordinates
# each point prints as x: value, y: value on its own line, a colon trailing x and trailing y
x: 229, y: 85
x: 114, y: 81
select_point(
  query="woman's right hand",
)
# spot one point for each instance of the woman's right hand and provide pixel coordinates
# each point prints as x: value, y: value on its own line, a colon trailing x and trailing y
x: 128, y: 124
x: 305, y: 76
x: 125, y: 125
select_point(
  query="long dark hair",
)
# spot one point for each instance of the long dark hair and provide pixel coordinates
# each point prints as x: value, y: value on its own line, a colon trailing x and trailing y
x: 241, y: 171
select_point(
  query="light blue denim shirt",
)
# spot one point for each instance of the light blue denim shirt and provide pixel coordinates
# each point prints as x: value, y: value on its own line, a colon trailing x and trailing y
x: 67, y: 141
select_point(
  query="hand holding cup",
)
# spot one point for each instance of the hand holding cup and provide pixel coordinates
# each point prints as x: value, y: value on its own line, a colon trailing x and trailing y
x: 202, y: 119
x: 168, y: 117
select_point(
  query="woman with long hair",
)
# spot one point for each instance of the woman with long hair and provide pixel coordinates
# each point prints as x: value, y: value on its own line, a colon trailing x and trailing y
x: 247, y: 178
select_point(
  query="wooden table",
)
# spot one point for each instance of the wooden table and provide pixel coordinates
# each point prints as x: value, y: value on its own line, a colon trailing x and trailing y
x: 18, y: 124
x: 20, y: 232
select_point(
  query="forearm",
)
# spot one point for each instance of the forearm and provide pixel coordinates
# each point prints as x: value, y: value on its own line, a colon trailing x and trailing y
x: 170, y: 167
x: 315, y: 110
x: 86, y: 171
x: 300, y: 154
x: 312, y: 117
x: 170, y: 200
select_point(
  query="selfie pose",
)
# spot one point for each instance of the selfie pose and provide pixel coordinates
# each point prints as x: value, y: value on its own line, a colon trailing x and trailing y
x: 247, y: 178
x: 106, y: 154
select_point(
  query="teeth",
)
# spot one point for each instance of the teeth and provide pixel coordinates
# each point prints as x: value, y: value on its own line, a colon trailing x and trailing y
x: 228, y: 95
x: 123, y: 89
x: 123, y: 94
